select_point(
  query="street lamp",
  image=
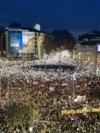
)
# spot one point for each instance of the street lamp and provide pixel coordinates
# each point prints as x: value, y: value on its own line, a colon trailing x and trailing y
x: 97, y: 72
x: 7, y: 93
x: 73, y: 54
x: 74, y: 81
x: 20, y: 53
x: 0, y: 83
x: 80, y: 57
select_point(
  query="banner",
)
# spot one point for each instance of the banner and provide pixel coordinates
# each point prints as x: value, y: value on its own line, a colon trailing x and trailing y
x: 80, y: 99
x: 28, y: 42
x: 79, y: 111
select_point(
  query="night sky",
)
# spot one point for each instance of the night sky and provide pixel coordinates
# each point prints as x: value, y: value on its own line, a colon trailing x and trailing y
x: 76, y: 16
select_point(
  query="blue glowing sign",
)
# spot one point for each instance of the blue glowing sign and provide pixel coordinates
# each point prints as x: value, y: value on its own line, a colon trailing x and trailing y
x: 14, y: 41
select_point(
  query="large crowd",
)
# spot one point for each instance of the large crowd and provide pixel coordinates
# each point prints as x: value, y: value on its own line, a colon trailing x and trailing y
x: 49, y: 92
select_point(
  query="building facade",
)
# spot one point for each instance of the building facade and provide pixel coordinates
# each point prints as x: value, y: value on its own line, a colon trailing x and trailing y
x: 88, y: 47
x: 22, y: 42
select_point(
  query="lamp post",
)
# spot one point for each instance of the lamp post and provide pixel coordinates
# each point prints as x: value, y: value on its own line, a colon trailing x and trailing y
x: 96, y: 61
x: 7, y: 94
x: 74, y: 83
x: 80, y: 57
x: 97, y: 72
x: 73, y: 54
x: 0, y: 84
x: 20, y: 53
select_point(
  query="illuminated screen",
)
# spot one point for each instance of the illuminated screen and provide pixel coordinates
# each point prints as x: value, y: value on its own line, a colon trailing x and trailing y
x: 14, y: 41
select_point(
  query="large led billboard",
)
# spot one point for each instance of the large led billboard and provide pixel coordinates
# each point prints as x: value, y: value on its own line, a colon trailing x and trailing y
x: 19, y: 40
x: 14, y: 41
x: 28, y: 42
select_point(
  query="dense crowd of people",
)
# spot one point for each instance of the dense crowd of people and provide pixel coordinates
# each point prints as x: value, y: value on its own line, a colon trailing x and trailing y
x: 48, y: 92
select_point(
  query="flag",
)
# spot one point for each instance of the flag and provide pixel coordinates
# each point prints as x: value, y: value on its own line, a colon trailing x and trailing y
x: 80, y: 99
x: 74, y: 117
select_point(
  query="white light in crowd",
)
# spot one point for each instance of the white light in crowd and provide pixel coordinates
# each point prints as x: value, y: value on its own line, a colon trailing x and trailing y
x: 30, y: 129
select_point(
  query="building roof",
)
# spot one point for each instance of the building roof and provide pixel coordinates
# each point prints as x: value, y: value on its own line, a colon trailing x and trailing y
x: 90, y: 38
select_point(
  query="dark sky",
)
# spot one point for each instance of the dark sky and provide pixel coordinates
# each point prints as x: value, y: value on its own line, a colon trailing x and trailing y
x: 74, y: 15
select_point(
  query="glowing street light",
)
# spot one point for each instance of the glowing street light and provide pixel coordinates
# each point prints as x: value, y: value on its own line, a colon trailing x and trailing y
x: 74, y: 80
x: 97, y: 72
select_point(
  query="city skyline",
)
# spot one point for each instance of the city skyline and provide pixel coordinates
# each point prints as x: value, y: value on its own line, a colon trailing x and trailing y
x: 75, y: 16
